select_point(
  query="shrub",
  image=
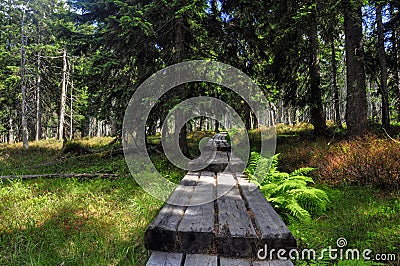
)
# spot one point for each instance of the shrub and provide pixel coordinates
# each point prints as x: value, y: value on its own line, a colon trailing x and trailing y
x: 289, y: 193
x: 76, y: 148
x: 368, y: 161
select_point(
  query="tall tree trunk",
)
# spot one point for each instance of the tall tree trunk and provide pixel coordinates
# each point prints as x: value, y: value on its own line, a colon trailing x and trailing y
x: 10, y: 129
x: 356, y: 106
x: 247, y: 117
x: 38, y: 135
x: 338, y: 121
x: 71, y: 110
x: 396, y: 73
x: 317, y: 110
x: 200, y: 124
x: 179, y: 56
x: 382, y: 64
x: 24, y: 107
x: 63, y: 97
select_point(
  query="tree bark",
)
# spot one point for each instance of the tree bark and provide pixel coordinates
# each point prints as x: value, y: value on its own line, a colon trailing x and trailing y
x: 63, y: 97
x: 356, y: 106
x: 24, y: 109
x: 338, y: 120
x: 383, y: 67
x: 71, y: 110
x: 317, y: 110
x: 247, y: 117
x: 179, y: 56
x: 38, y: 135
x: 396, y: 73
x: 10, y: 129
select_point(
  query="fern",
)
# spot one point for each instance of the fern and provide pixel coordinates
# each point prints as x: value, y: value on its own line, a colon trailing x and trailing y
x: 289, y: 193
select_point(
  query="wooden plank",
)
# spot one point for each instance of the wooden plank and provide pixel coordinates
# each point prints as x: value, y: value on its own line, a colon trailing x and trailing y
x: 196, y: 230
x: 233, y: 262
x: 183, y: 192
x: 273, y: 230
x: 201, y: 260
x: 273, y: 263
x: 236, y: 165
x: 161, y: 234
x: 158, y: 258
x: 236, y: 236
x: 219, y: 162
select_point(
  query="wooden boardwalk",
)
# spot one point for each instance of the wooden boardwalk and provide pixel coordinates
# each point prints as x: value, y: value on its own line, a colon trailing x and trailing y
x: 219, y: 215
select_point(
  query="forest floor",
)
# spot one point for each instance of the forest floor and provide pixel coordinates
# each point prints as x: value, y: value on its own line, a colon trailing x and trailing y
x: 101, y: 221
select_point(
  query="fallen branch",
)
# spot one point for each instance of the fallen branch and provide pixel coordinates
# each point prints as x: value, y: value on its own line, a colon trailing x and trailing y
x: 80, y: 176
x: 101, y: 154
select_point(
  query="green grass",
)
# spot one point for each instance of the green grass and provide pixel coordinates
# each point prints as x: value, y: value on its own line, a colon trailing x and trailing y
x: 365, y: 217
x: 74, y: 222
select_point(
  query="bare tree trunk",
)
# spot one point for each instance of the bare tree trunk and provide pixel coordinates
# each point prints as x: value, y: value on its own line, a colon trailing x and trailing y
x: 338, y: 121
x: 255, y: 121
x: 10, y: 129
x: 71, y: 120
x: 38, y: 135
x: 24, y: 108
x: 382, y: 63
x: 179, y: 56
x: 63, y: 97
x: 200, y: 125
x: 317, y: 109
x: 356, y: 107
x: 395, y: 55
x: 247, y: 116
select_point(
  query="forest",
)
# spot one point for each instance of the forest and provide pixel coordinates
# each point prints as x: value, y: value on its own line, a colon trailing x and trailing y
x: 69, y: 68
x: 329, y: 71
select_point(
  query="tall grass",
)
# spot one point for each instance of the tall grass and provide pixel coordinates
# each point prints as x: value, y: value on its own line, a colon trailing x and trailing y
x: 73, y: 222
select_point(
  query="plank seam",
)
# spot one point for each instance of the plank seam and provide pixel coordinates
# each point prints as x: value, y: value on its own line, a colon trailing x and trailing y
x: 177, y: 243
x: 249, y: 211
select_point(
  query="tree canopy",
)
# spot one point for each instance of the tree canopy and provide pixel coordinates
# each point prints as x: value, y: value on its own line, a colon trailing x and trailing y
x: 69, y: 68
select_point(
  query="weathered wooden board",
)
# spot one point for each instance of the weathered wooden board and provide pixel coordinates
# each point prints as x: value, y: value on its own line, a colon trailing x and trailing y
x: 273, y: 230
x: 183, y: 192
x: 219, y: 162
x: 201, y: 260
x: 161, y: 233
x: 236, y: 236
x: 196, y: 230
x: 236, y: 165
x: 158, y: 258
x: 220, y: 142
x: 233, y: 262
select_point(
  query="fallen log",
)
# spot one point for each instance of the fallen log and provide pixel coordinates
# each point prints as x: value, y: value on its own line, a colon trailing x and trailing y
x: 72, y: 175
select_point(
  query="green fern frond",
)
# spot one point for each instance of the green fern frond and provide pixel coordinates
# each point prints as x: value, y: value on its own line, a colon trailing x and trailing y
x: 302, y: 171
x: 252, y: 163
x: 298, y: 212
x: 306, y: 179
x: 312, y: 199
x: 269, y: 189
x: 291, y: 184
x: 288, y: 193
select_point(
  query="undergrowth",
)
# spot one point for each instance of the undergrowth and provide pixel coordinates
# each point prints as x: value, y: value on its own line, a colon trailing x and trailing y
x: 367, y: 161
x: 289, y: 193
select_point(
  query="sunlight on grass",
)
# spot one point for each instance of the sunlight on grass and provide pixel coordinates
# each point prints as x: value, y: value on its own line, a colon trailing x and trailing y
x: 365, y: 219
x: 75, y: 222
x: 72, y: 221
